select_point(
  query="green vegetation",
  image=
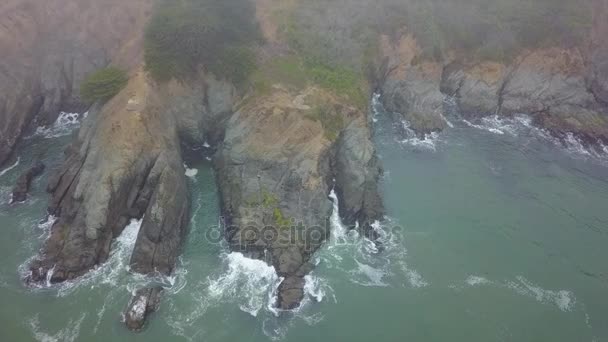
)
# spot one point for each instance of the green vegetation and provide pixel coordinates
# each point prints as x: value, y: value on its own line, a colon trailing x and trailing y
x: 184, y: 35
x: 292, y: 71
x: 331, y: 121
x: 279, y: 220
x: 103, y: 84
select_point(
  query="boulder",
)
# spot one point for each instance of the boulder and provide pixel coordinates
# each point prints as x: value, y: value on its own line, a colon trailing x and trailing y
x: 144, y: 302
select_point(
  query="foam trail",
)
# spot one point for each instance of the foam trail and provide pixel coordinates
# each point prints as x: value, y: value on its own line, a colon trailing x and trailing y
x: 3, y: 172
x: 563, y: 299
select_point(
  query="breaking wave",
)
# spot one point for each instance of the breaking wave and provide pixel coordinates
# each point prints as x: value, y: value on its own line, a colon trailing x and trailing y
x: 521, y: 126
x: 365, y: 262
x: 191, y: 172
x: 64, y: 125
x: 5, y: 171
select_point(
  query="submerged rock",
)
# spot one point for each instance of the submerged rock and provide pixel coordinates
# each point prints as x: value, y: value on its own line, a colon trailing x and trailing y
x: 145, y: 302
x: 22, y: 186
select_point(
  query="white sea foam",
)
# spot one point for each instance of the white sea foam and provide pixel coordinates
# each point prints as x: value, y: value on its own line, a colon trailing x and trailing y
x: 474, y: 280
x: 5, y: 171
x: 371, y: 276
x: 109, y: 273
x: 64, y: 125
x: 414, y: 278
x: 362, y: 260
x: 191, y: 173
x: 68, y: 334
x: 249, y: 277
x: 428, y: 142
x: 563, y: 299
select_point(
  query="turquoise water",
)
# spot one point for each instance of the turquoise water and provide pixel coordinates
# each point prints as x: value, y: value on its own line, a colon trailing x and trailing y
x: 494, y: 233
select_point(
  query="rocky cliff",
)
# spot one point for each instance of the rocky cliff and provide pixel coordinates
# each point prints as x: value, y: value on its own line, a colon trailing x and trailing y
x: 551, y: 84
x: 47, y: 49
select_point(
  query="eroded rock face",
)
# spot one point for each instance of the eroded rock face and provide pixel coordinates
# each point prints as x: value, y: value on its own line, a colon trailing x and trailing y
x: 553, y: 85
x: 23, y: 182
x: 48, y: 47
x: 357, y: 173
x: 124, y: 155
x: 411, y: 87
x: 476, y: 87
x: 274, y: 175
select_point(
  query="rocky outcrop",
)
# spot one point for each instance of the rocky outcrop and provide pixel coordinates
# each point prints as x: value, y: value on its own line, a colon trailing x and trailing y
x: 552, y: 85
x: 357, y: 173
x: 22, y: 187
x: 274, y: 175
x: 47, y: 49
x: 410, y: 87
x: 126, y: 163
x: 145, y: 302
x: 476, y: 87
x: 121, y: 165
x: 548, y: 84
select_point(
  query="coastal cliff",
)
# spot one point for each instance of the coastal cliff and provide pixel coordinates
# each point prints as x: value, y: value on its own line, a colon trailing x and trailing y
x: 49, y: 47
x: 286, y: 132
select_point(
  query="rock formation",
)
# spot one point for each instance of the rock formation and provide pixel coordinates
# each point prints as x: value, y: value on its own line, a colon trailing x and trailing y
x: 550, y: 84
x: 22, y: 187
x: 49, y: 47
x: 274, y: 174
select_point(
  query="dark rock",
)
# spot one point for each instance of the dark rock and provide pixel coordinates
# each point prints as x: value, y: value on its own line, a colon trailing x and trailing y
x: 357, y: 173
x: 415, y: 96
x: 145, y: 302
x: 23, y: 182
x: 476, y: 87
x: 290, y: 293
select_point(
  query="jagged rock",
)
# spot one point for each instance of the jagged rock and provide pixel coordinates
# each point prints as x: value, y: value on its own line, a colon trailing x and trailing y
x: 477, y: 87
x: 23, y: 182
x: 145, y: 302
x: 357, y: 173
x: 291, y: 293
x: 125, y: 162
x: 551, y: 85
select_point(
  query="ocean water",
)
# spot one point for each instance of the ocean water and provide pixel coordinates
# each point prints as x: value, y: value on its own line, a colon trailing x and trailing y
x: 494, y: 232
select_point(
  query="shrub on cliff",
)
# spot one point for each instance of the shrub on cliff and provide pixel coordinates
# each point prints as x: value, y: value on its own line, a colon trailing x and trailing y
x: 185, y: 34
x: 103, y: 84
